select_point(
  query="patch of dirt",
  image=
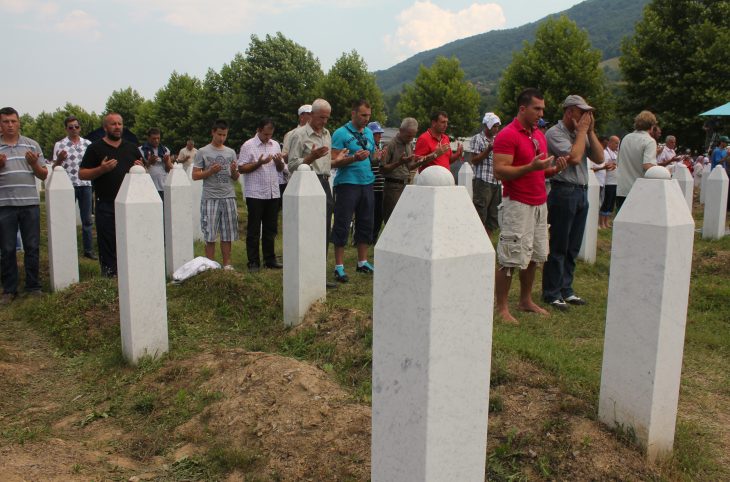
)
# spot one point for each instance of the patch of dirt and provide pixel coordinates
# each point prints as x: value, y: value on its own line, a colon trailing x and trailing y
x: 292, y: 414
x: 342, y: 327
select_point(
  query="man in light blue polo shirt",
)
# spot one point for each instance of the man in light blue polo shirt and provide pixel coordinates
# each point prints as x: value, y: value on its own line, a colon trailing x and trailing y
x: 353, y: 188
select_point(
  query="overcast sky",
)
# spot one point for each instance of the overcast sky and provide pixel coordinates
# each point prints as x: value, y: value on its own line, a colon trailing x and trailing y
x: 81, y: 50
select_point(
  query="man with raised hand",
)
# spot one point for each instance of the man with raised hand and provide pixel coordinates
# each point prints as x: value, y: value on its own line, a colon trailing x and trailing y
x: 434, y: 146
x: 397, y: 164
x: 21, y: 161
x: 156, y: 159
x: 68, y: 153
x: 105, y: 164
x: 574, y: 139
x: 521, y: 163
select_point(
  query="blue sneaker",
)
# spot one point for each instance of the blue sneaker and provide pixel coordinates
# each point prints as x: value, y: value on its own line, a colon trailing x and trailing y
x: 366, y: 268
x: 341, y: 276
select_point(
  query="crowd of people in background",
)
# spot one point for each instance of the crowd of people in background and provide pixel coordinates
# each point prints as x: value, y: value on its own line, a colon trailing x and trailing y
x: 529, y: 187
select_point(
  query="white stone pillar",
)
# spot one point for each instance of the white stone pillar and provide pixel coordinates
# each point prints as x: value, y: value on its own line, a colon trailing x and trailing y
x: 703, y: 181
x: 141, y: 267
x: 197, y: 194
x: 590, y: 235
x: 685, y: 181
x: 466, y: 175
x: 305, y: 262
x: 63, y: 259
x: 433, y: 297
x: 713, y: 223
x: 648, y: 292
x: 178, y: 219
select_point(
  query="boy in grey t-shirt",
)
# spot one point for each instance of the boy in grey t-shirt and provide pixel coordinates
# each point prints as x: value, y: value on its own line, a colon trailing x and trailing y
x: 216, y: 165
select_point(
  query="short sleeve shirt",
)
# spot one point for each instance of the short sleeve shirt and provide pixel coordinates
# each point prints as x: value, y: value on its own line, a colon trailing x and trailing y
x: 157, y: 170
x: 516, y: 141
x: 427, y: 143
x: 107, y: 185
x: 637, y: 148
x: 74, y: 154
x: 17, y: 180
x: 263, y: 183
x: 359, y: 172
x: 220, y: 184
x: 485, y: 169
x: 560, y: 142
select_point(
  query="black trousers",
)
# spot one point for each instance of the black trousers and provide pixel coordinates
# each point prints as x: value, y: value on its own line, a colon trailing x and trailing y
x: 330, y: 206
x: 106, y: 237
x: 261, y: 213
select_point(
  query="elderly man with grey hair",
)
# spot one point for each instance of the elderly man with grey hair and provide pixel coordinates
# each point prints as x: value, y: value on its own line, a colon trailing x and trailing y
x: 310, y: 144
x: 668, y: 155
x: 397, y: 164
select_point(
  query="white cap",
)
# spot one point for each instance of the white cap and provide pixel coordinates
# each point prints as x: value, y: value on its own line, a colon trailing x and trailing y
x: 306, y: 108
x: 490, y: 118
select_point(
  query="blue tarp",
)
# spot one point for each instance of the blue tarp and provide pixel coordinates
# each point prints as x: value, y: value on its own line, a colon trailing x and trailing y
x: 722, y: 110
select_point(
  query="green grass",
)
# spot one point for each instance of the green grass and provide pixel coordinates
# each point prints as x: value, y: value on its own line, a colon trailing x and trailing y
x: 241, y: 310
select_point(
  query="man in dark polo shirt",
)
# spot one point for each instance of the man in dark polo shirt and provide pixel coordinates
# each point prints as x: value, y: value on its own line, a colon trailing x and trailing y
x: 397, y: 164
x: 105, y: 164
x: 574, y: 139
x: 434, y: 145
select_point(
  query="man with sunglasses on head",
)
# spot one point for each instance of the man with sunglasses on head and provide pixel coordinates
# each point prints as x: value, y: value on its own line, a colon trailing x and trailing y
x: 521, y: 163
x: 574, y: 139
x: 68, y: 153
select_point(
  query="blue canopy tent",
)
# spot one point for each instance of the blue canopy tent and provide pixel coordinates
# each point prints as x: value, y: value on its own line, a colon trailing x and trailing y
x: 723, y: 110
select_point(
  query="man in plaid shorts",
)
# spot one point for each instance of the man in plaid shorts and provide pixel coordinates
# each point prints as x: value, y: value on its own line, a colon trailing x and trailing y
x: 215, y: 164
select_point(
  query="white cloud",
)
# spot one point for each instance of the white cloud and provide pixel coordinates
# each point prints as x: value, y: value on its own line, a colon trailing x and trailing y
x: 424, y: 26
x: 78, y: 21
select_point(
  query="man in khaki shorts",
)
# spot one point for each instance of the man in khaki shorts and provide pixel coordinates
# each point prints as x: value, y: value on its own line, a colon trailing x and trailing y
x: 521, y: 163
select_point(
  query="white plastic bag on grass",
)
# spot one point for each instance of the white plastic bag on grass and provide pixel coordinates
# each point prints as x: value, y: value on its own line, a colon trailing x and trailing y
x: 193, y: 267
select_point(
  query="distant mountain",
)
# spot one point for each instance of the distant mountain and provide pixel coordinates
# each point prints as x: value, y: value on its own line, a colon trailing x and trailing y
x: 485, y: 56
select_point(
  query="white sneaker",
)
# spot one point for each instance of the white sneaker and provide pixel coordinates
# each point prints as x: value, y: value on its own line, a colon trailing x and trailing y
x: 229, y: 267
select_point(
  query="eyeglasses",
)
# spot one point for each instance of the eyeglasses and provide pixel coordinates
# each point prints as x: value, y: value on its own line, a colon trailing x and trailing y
x: 73, y: 127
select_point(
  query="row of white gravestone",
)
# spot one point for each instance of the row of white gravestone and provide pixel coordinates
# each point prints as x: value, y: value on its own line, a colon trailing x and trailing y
x: 432, y: 327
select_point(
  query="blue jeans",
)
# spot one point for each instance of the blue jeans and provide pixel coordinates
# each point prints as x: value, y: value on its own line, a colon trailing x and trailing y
x: 83, y: 197
x: 28, y: 220
x: 567, y: 212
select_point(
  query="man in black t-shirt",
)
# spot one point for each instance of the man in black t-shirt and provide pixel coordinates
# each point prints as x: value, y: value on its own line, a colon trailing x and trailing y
x: 105, y: 163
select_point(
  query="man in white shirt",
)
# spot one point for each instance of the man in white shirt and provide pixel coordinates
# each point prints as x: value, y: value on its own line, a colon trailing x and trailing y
x: 610, y: 155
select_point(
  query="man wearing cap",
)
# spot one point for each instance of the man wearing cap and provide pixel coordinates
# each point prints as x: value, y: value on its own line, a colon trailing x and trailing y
x: 378, y: 185
x: 304, y: 113
x: 574, y: 139
x: 486, y: 188
x: 397, y: 163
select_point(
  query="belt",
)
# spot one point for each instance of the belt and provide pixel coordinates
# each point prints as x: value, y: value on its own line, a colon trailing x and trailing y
x: 396, y: 181
x: 323, y: 176
x: 568, y: 185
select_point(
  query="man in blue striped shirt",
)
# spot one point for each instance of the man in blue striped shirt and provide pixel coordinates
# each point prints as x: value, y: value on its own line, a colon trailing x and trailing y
x: 21, y: 160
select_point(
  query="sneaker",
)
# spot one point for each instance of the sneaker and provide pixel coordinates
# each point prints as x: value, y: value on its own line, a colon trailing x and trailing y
x: 559, y: 305
x: 366, y: 268
x: 7, y: 298
x: 254, y: 267
x: 574, y: 300
x: 229, y: 267
x: 341, y: 276
x: 331, y: 285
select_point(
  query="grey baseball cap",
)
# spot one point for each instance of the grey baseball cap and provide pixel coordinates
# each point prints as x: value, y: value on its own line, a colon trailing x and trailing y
x: 576, y: 101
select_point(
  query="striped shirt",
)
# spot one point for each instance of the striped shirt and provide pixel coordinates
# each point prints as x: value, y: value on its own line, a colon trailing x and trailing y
x: 263, y: 183
x: 485, y: 169
x: 75, y: 152
x: 17, y: 181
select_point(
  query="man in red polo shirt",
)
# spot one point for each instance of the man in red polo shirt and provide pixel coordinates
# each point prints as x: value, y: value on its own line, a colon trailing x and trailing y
x: 521, y: 163
x: 434, y: 144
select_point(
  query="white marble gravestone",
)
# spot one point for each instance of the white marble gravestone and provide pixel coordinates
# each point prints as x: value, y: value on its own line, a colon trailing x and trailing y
x: 432, y: 336
x: 648, y: 293
x: 716, y: 186
x: 305, y: 255
x: 197, y: 194
x: 686, y: 183
x: 703, y: 180
x: 178, y: 219
x: 466, y: 176
x: 141, y: 267
x: 590, y: 235
x: 63, y: 259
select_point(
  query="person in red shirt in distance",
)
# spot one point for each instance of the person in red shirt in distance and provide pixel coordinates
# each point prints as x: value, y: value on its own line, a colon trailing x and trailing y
x: 521, y: 163
x: 434, y: 145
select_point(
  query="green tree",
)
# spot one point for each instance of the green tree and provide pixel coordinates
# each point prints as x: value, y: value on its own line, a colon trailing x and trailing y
x: 347, y: 81
x: 174, y: 108
x: 279, y: 75
x: 125, y: 102
x: 232, y: 102
x: 208, y: 107
x: 675, y: 65
x: 442, y: 87
x: 560, y: 62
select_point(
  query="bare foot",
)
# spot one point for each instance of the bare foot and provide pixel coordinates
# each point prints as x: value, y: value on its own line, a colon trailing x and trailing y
x: 507, y: 317
x: 531, y: 307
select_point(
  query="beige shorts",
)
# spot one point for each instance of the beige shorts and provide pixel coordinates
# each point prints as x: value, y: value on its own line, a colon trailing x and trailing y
x: 523, y: 235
